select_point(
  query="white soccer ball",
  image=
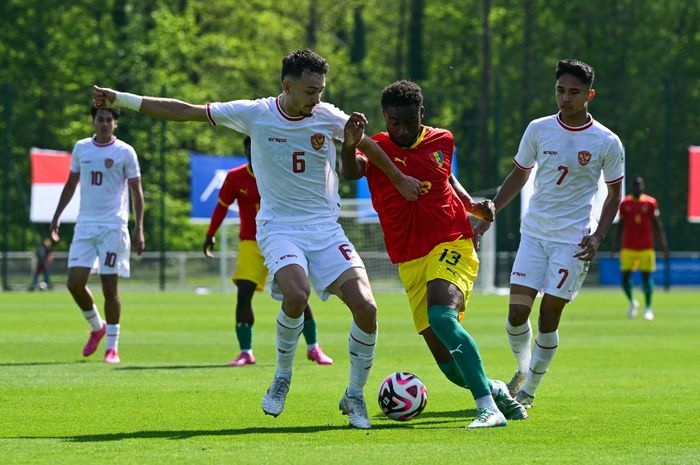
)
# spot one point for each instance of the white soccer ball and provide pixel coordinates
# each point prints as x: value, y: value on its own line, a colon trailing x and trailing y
x: 402, y: 396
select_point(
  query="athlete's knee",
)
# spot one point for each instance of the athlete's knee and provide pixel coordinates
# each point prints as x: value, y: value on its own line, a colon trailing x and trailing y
x: 438, y: 314
x: 519, y: 308
x: 297, y: 298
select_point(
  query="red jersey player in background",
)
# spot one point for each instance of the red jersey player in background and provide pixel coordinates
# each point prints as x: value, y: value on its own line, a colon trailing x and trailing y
x: 639, y: 214
x: 251, y: 273
x: 431, y: 240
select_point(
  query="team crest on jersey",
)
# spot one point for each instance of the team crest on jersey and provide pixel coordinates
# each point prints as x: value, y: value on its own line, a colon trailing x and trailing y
x: 317, y: 141
x: 108, y: 163
x: 439, y: 158
x: 584, y: 157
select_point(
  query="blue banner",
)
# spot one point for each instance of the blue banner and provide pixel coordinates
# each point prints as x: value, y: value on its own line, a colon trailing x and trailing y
x: 207, y: 176
x: 684, y: 271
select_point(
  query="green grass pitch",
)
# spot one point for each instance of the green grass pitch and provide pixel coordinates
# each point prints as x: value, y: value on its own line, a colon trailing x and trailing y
x: 618, y: 391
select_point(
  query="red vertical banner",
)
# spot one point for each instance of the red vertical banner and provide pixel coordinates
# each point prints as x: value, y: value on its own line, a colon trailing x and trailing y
x: 694, y: 184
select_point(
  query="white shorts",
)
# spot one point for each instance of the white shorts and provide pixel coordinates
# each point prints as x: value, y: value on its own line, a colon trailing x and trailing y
x: 549, y: 267
x: 103, y: 248
x: 322, y: 250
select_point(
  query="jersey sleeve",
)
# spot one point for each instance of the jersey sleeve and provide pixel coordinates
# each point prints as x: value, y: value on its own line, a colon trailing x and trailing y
x: 614, y: 162
x: 338, y: 119
x: 75, y: 159
x: 236, y: 114
x: 132, y: 168
x: 527, y: 151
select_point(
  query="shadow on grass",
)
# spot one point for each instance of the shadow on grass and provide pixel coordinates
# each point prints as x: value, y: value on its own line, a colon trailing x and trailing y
x: 31, y: 364
x: 173, y: 367
x: 188, y: 434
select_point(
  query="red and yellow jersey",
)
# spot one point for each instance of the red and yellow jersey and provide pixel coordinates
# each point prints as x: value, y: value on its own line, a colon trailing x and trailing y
x: 637, y: 216
x: 239, y: 185
x: 412, y: 229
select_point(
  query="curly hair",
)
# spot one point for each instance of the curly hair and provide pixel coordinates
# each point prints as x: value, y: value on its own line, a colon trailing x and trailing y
x: 576, y: 68
x: 402, y: 93
x: 298, y: 62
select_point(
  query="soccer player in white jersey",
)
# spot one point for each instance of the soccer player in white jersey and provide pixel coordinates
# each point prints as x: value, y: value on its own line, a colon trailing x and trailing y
x: 294, y: 160
x: 559, y: 236
x: 105, y: 166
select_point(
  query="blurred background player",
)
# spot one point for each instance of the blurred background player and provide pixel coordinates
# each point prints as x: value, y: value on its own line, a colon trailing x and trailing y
x: 438, y: 264
x: 639, y: 214
x: 251, y: 273
x: 105, y: 166
x: 559, y: 236
x: 44, y: 258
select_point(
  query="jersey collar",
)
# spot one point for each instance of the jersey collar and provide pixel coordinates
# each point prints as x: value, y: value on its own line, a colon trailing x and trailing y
x: 421, y: 136
x: 283, y: 114
x: 575, y: 128
x: 103, y: 144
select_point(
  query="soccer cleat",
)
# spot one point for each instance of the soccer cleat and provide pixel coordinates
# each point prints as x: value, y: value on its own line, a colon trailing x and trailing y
x: 516, y: 382
x: 273, y: 400
x: 510, y: 408
x: 244, y: 358
x: 524, y: 399
x: 316, y: 355
x: 648, y: 314
x: 112, y: 356
x: 94, y: 340
x: 485, y: 418
x: 632, y: 312
x: 355, y: 408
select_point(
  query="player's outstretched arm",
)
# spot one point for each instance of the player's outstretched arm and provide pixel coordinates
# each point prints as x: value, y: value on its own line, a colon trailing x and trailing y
x: 66, y: 195
x: 408, y: 186
x: 511, y: 187
x: 136, y: 189
x: 590, y: 243
x: 484, y: 210
x: 163, y: 108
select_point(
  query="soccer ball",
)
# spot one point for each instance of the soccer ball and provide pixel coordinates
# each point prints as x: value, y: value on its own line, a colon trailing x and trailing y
x: 402, y: 396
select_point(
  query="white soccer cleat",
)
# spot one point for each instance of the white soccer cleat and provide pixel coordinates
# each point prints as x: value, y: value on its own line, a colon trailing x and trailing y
x: 273, y: 400
x: 516, y: 383
x: 508, y: 406
x: 648, y: 314
x: 524, y: 399
x: 356, y: 410
x: 632, y: 312
x: 485, y: 418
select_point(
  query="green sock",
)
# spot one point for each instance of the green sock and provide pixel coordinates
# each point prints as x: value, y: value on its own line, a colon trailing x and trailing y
x: 648, y: 286
x: 465, y: 353
x: 452, y: 373
x: 310, y: 332
x: 627, y: 287
x: 244, y: 332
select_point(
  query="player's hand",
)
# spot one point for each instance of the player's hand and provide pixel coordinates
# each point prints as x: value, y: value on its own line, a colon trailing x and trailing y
x: 589, y: 246
x: 484, y: 210
x: 208, y: 246
x: 409, y: 187
x: 355, y: 129
x: 103, y: 97
x: 53, y: 230
x: 139, y: 243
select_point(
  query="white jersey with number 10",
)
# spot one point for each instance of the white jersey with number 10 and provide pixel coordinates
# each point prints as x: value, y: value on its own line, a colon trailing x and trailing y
x: 293, y: 157
x: 569, y: 162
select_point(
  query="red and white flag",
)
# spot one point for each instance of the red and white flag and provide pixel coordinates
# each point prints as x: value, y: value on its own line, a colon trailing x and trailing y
x: 694, y: 184
x: 50, y: 169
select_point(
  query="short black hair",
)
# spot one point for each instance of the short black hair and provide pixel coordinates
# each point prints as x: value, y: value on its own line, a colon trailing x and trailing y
x: 298, y: 62
x: 401, y: 94
x: 576, y: 68
x: 115, y: 112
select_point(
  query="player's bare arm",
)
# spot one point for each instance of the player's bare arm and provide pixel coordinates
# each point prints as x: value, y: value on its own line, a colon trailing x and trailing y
x: 484, y: 210
x: 63, y: 201
x: 511, y: 187
x: 136, y: 189
x: 661, y: 234
x: 163, y: 108
x: 408, y: 186
x: 590, y: 243
x: 352, y: 167
x: 615, y: 243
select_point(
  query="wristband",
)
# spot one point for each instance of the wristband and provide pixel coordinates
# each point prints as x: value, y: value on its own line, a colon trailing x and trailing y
x: 129, y: 101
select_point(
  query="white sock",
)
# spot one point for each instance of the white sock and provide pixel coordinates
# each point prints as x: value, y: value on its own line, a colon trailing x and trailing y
x: 520, y: 338
x: 288, y: 331
x: 542, y: 354
x: 311, y: 346
x: 92, y: 316
x: 487, y: 402
x: 361, y: 349
x: 112, y: 337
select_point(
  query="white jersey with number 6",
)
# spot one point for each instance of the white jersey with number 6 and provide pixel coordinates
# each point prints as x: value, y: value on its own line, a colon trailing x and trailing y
x: 293, y: 157
x: 104, y: 170
x: 569, y: 162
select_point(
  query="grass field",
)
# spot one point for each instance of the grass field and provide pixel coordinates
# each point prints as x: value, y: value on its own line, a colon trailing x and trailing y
x: 618, y: 392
